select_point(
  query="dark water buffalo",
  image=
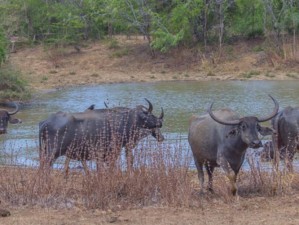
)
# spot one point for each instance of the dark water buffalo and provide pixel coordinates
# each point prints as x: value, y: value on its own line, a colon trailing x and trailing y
x: 140, y: 134
x: 96, y: 134
x: 286, y: 123
x: 220, y: 138
x: 5, y: 117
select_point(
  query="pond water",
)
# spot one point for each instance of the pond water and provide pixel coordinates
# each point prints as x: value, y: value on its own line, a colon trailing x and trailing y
x: 179, y: 100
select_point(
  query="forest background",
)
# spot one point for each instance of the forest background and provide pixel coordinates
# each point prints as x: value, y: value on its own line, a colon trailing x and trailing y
x: 207, y: 29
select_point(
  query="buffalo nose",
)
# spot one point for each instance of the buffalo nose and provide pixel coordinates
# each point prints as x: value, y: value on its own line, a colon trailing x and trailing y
x: 256, y: 144
x: 159, y: 124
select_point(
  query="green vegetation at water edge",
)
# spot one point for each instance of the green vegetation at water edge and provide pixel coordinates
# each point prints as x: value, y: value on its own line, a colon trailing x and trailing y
x: 12, y: 85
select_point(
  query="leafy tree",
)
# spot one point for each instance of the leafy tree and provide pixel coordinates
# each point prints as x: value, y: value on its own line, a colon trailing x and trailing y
x: 165, y: 24
x: 248, y: 19
x: 136, y: 14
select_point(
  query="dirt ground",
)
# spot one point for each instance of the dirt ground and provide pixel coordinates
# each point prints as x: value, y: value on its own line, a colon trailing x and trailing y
x: 254, y: 210
x: 129, y: 60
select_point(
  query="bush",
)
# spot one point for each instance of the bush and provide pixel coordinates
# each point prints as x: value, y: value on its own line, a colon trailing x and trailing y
x: 163, y: 41
x: 12, y: 85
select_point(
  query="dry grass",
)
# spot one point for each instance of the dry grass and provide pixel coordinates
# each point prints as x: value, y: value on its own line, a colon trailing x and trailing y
x: 161, y: 177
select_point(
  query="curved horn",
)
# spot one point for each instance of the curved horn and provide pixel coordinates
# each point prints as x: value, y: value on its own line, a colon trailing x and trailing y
x: 275, y: 111
x: 106, y: 105
x: 15, y: 111
x: 233, y: 122
x: 162, y: 114
x: 150, y: 106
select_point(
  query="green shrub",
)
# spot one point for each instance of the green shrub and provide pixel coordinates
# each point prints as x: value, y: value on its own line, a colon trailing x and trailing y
x: 163, y: 41
x: 12, y: 85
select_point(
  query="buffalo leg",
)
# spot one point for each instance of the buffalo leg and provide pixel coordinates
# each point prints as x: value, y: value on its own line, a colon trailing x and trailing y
x: 289, y: 155
x: 129, y: 158
x: 210, y: 170
x: 232, y: 175
x: 200, y: 174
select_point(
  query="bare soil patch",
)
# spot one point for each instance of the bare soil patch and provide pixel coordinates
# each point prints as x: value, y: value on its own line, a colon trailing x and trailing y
x: 129, y: 60
x: 260, y: 210
x: 254, y: 210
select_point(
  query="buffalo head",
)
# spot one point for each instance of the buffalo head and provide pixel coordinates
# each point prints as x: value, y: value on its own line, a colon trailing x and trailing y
x: 5, y: 117
x: 148, y: 120
x: 247, y: 128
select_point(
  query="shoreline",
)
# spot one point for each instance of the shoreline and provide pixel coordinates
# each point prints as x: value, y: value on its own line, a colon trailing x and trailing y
x: 96, y: 64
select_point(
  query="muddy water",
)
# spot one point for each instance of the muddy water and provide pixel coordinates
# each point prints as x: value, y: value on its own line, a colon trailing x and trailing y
x: 179, y: 99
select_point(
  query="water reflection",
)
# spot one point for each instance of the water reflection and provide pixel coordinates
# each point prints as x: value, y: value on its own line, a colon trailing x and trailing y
x: 179, y: 99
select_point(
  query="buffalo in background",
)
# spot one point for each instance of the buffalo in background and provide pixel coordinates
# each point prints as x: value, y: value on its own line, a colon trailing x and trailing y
x: 6, y: 116
x: 286, y: 139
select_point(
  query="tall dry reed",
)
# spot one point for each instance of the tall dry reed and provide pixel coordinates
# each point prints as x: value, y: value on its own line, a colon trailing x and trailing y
x: 161, y: 177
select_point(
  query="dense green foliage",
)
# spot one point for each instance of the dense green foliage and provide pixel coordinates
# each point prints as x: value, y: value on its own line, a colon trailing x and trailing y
x: 165, y: 24
x: 12, y: 86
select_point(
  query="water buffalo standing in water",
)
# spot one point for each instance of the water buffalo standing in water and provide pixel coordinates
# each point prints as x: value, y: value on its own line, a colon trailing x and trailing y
x: 140, y: 134
x: 220, y: 138
x: 96, y: 134
x: 286, y: 123
x: 5, y: 117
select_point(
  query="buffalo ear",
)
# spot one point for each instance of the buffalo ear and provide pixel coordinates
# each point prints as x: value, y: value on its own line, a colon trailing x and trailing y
x: 233, y: 132
x: 14, y: 121
x: 266, y: 131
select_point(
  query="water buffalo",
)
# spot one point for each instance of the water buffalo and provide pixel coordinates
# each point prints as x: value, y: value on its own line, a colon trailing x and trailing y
x: 96, y: 134
x: 5, y: 117
x: 140, y: 134
x: 220, y: 138
x: 286, y: 123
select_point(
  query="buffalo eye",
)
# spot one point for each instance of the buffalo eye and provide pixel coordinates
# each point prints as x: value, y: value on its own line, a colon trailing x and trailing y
x: 243, y: 126
x: 258, y: 127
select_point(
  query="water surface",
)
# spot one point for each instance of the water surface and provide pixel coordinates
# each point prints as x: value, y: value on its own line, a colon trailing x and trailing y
x: 179, y: 100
